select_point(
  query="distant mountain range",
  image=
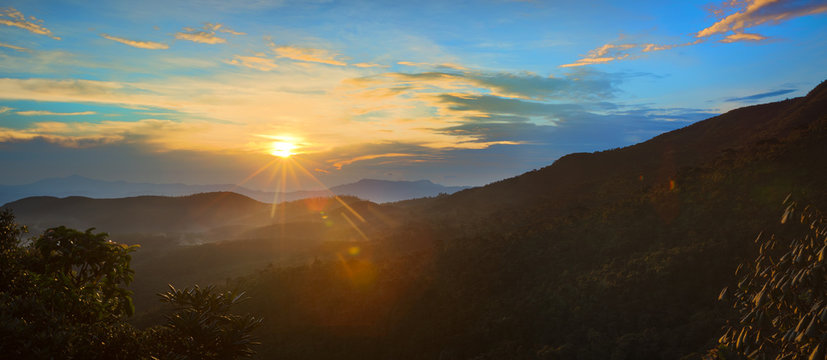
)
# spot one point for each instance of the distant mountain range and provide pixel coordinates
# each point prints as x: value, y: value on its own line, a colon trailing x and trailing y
x: 368, y: 189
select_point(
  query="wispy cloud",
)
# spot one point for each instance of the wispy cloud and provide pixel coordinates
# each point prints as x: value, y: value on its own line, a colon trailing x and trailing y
x: 338, y: 164
x: 138, y: 44
x: 308, y: 55
x: 12, y: 17
x: 743, y: 15
x: 224, y: 29
x: 432, y: 65
x: 580, y: 86
x: 368, y: 65
x: 5, y: 109
x: 760, y: 96
x: 603, y: 54
x: 743, y: 37
x: 254, y: 62
x: 50, y: 113
x: 613, y: 52
x: 13, y: 47
x: 85, y: 134
x: 751, y: 13
x: 206, y: 34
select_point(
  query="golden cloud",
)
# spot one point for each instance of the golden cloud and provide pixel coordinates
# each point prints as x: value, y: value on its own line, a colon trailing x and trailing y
x: 308, y: 55
x: 13, y: 47
x: 254, y: 62
x: 751, y: 13
x: 50, y: 113
x: 138, y: 44
x: 206, y: 34
x: 12, y: 17
x: 743, y: 37
x: 603, y: 54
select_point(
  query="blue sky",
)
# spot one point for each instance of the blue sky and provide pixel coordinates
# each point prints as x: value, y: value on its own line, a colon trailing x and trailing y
x: 461, y: 93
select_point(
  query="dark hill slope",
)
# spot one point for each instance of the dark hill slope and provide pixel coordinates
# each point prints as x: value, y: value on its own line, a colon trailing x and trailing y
x: 579, y: 260
x: 609, y: 266
x: 581, y: 179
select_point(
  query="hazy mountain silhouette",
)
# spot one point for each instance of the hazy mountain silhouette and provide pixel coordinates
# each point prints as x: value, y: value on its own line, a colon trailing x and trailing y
x: 368, y: 189
x: 381, y: 191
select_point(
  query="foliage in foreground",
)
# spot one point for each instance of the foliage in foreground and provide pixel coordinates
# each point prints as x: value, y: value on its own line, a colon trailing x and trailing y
x: 63, y: 295
x: 782, y: 295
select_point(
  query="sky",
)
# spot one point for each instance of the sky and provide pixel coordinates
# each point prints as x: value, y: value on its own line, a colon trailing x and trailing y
x: 457, y: 92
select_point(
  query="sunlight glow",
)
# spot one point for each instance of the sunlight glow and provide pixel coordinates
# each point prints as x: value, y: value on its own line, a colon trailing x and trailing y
x: 282, y: 149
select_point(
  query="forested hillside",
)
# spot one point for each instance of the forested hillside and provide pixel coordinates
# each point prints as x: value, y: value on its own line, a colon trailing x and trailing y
x: 618, y: 254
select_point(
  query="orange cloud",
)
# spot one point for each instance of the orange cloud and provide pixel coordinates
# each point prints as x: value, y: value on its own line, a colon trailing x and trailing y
x: 83, y: 134
x: 430, y: 65
x: 611, y: 52
x: 368, y: 65
x: 18, y: 48
x: 338, y: 164
x: 308, y: 55
x: 206, y: 34
x: 138, y: 44
x: 752, y: 13
x: 603, y: 54
x: 254, y: 62
x: 12, y: 17
x: 743, y: 37
x: 49, y: 113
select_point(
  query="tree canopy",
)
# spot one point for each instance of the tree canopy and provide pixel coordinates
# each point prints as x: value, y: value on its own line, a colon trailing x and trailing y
x: 64, y: 295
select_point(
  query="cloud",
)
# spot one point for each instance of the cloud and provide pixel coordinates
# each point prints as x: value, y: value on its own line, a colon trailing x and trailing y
x: 613, y: 52
x: 49, y: 113
x: 744, y: 15
x: 760, y: 96
x: 206, y: 34
x: 603, y: 54
x: 433, y: 66
x: 62, y: 90
x: 86, y: 134
x: 138, y: 44
x: 308, y: 55
x: 254, y: 62
x: 18, y: 48
x: 743, y: 37
x: 578, y: 85
x: 487, y: 105
x: 751, y: 13
x: 11, y: 17
x: 338, y: 164
x: 368, y: 65
x: 224, y: 29
x: 5, y: 109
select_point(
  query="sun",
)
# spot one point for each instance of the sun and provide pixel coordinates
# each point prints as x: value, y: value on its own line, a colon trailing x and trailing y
x: 282, y: 149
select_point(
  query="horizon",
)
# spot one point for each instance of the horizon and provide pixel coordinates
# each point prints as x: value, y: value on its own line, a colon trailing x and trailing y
x: 76, y: 176
x: 458, y: 94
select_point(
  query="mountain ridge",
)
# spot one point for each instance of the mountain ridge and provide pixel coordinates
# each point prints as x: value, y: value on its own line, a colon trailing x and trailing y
x: 74, y: 185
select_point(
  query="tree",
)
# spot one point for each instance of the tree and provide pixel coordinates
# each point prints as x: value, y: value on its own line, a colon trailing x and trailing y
x: 64, y: 295
x: 202, y: 325
x: 782, y: 295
